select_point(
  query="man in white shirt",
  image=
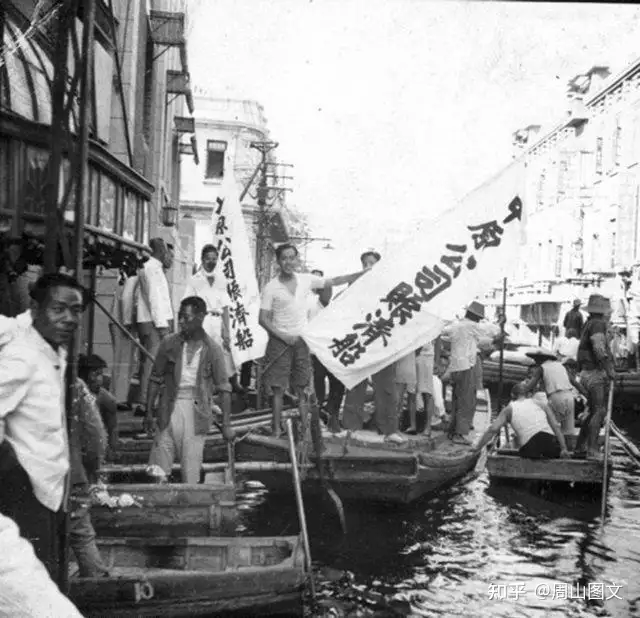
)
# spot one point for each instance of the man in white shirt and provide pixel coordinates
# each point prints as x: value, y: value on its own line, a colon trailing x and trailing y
x: 34, y: 450
x: 567, y: 347
x: 26, y: 589
x: 154, y: 312
x: 284, y: 314
x: 206, y: 285
x: 465, y: 334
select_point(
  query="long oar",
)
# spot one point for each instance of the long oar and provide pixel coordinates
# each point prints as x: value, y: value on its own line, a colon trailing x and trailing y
x: 301, y: 515
x: 607, y: 436
x: 316, y: 436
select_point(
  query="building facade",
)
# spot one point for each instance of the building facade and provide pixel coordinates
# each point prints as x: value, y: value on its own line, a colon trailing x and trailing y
x: 140, y: 111
x: 228, y: 131
x: 582, y: 196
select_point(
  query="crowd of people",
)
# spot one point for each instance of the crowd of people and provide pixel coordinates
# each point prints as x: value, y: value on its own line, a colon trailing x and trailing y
x: 49, y: 459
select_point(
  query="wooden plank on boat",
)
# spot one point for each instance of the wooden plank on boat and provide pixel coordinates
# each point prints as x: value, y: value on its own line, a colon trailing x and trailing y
x: 215, y: 554
x: 506, y: 464
x: 168, y: 509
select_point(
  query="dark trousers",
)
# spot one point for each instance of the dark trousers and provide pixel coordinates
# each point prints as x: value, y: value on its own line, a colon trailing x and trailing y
x: 541, y: 446
x: 245, y: 374
x: 39, y: 525
x: 336, y: 388
x: 463, y: 402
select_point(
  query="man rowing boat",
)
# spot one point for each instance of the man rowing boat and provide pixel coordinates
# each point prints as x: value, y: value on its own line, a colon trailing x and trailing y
x: 539, y: 434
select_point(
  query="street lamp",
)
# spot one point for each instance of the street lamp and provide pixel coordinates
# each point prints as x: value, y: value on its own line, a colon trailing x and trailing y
x: 169, y: 215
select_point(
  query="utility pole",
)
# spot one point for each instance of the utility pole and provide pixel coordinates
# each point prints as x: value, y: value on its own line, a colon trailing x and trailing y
x: 264, y: 148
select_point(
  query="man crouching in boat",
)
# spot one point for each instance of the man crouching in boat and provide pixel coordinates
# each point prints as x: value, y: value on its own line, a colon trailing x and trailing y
x: 539, y: 434
x: 188, y: 369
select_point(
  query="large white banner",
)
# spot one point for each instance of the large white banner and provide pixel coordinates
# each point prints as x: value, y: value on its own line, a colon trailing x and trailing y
x: 405, y: 300
x: 235, y: 263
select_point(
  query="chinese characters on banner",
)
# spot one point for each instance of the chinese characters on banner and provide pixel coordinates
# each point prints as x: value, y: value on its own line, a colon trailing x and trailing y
x: 247, y: 338
x: 405, y: 300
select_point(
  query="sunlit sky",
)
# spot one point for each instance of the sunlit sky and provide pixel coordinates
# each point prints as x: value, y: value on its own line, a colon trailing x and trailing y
x: 390, y: 110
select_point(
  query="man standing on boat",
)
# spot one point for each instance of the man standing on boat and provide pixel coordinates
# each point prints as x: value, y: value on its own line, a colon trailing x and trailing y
x: 154, y: 313
x: 539, y: 434
x: 558, y: 383
x: 596, y: 371
x: 34, y: 446
x: 283, y: 314
x: 318, y: 300
x: 212, y: 290
x: 464, y: 335
x: 385, y: 411
x: 573, y: 319
x: 189, y: 368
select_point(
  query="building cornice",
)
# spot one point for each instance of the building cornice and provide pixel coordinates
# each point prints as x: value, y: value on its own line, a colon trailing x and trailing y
x: 209, y: 123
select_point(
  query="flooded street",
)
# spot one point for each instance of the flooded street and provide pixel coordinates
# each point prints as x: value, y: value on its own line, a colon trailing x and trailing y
x: 476, y: 549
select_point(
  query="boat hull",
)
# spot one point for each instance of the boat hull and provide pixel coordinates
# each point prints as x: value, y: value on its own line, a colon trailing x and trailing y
x: 168, y: 510
x: 192, y: 576
x: 507, y: 465
x: 376, y: 472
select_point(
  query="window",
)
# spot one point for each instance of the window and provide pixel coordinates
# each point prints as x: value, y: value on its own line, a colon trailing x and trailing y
x: 540, y: 190
x: 129, y: 216
x: 585, y: 169
x: 616, y: 144
x: 599, y: 156
x: 107, y: 204
x: 215, y: 159
x: 613, y: 248
x: 558, y: 264
x: 563, y: 169
x: 37, y: 186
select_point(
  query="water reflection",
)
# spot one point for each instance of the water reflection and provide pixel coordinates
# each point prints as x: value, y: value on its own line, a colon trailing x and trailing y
x: 475, y: 549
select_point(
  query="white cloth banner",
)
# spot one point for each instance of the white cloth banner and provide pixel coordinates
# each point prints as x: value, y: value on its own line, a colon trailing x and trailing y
x: 248, y: 339
x: 405, y: 300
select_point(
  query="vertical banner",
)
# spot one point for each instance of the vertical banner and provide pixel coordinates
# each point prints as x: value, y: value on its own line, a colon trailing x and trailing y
x: 405, y: 300
x: 248, y: 339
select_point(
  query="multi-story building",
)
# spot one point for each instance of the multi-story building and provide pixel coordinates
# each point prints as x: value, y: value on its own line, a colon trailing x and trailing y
x: 228, y: 131
x: 582, y: 196
x: 138, y: 110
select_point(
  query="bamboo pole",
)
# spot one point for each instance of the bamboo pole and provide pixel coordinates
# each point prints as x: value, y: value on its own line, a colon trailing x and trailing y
x: 242, y: 466
x: 123, y: 330
x: 303, y: 521
x: 607, y: 440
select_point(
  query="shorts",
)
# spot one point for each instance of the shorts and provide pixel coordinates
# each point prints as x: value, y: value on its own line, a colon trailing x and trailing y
x: 287, y: 365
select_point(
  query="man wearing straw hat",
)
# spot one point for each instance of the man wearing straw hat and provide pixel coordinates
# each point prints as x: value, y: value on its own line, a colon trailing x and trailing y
x: 596, y: 371
x: 464, y: 336
x: 558, y: 383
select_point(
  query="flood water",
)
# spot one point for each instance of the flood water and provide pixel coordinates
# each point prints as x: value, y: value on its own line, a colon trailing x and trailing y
x: 475, y: 549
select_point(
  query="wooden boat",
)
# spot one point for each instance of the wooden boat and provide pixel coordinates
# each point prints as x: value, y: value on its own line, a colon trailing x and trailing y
x: 361, y: 466
x: 168, y: 510
x: 506, y: 464
x: 135, y: 448
x: 195, y: 577
x: 626, y: 392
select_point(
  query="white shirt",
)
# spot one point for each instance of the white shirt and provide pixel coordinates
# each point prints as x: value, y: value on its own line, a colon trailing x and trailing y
x: 26, y: 590
x: 32, y: 393
x: 567, y: 348
x: 154, y: 282
x: 290, y: 312
x: 189, y: 372
x: 314, y: 307
x: 528, y: 419
x: 10, y: 327
x: 465, y: 335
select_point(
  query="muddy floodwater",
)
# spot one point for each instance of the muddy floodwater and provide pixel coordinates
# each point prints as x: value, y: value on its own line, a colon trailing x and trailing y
x: 475, y: 549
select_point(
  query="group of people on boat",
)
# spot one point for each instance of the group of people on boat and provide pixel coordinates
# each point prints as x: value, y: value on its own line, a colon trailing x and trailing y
x: 44, y: 459
x: 542, y: 410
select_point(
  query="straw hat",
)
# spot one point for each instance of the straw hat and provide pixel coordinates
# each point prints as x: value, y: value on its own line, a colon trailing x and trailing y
x: 540, y: 354
x: 598, y: 304
x: 477, y: 309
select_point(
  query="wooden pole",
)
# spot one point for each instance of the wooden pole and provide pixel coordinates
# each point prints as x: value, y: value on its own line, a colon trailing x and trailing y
x: 502, y: 323
x: 607, y: 440
x: 123, y: 330
x: 301, y: 515
x: 58, y: 136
